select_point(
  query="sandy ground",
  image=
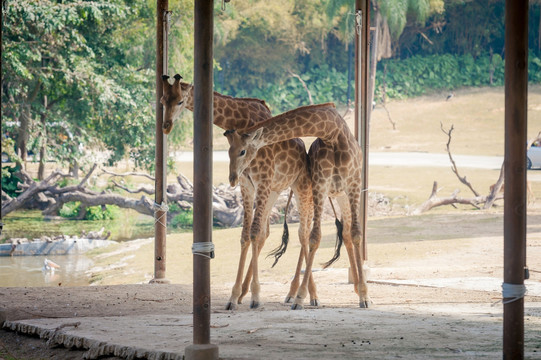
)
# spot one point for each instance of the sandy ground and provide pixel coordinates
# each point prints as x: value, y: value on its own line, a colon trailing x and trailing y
x: 434, y: 290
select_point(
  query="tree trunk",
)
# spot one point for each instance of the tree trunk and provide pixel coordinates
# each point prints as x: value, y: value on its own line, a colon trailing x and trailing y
x: 22, y: 139
x: 43, y: 146
x: 25, y: 118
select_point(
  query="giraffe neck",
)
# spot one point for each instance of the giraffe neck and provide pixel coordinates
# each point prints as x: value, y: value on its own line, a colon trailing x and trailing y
x: 322, y: 121
x: 234, y: 113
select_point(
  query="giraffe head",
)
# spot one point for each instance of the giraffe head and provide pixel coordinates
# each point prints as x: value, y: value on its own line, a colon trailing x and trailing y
x: 242, y: 150
x: 173, y: 100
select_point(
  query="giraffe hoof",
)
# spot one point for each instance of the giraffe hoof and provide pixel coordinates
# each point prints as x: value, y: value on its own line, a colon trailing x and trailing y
x: 296, y: 307
x: 315, y: 302
x: 288, y: 299
x: 230, y: 306
x: 254, y: 304
x: 364, y: 304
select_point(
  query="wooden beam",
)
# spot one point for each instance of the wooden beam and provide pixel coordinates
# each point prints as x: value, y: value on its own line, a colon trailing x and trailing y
x: 362, y: 37
x: 516, y: 92
x: 202, y: 209
x: 160, y: 214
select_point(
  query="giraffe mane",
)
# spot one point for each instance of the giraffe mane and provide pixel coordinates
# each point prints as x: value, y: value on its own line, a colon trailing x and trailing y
x: 248, y: 99
x: 288, y: 113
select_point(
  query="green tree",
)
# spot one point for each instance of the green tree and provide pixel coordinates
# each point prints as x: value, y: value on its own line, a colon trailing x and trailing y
x: 78, y: 76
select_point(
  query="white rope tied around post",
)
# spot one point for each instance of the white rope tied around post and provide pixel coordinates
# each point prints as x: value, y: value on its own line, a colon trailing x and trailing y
x: 164, y: 208
x: 203, y: 248
x: 512, y: 292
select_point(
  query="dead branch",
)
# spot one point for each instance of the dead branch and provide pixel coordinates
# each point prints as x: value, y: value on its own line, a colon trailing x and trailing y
x: 434, y: 201
x: 49, y: 197
x: 147, y: 189
x: 105, y: 171
x: 31, y: 190
x: 496, y: 190
x: 291, y: 73
x: 453, y: 167
x: 389, y: 117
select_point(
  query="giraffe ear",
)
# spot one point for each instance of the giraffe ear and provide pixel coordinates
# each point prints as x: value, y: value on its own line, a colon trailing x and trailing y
x: 254, y: 136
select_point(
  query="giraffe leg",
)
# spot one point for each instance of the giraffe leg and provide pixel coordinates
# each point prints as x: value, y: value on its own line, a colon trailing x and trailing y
x: 348, y: 242
x: 238, y: 292
x: 264, y: 202
x: 354, y: 200
x: 246, y: 282
x: 315, y: 238
x: 294, y: 286
x: 303, y: 197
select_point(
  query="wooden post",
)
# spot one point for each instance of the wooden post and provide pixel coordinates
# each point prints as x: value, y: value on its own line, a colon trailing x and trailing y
x: 160, y: 212
x: 516, y: 91
x: 202, y: 189
x: 362, y: 36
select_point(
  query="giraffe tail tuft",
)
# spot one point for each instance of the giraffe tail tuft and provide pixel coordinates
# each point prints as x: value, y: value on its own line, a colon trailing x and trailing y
x: 280, y: 250
x: 339, y: 241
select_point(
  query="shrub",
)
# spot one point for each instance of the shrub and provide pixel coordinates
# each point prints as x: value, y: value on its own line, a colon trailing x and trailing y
x: 183, y: 220
x: 10, y: 181
x: 72, y: 210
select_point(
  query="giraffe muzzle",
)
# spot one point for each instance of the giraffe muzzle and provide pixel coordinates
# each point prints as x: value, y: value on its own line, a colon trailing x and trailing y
x: 167, y: 127
x: 233, y: 179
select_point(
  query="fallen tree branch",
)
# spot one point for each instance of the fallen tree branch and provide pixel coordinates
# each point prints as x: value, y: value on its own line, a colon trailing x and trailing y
x: 32, y: 189
x: 143, y: 205
x: 434, y: 201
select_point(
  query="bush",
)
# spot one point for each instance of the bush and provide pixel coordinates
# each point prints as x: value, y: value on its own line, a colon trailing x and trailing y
x: 10, y: 181
x: 183, y: 220
x: 72, y: 210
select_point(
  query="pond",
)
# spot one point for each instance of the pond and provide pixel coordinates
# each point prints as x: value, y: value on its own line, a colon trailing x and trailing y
x: 28, y: 270
x: 31, y: 224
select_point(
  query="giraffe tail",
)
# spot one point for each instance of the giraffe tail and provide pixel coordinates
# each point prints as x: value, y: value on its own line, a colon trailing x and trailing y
x: 280, y: 250
x: 339, y: 239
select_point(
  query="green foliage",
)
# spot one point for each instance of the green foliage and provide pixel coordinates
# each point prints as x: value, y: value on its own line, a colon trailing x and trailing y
x: 98, y: 213
x: 86, y: 70
x: 182, y: 220
x: 72, y: 210
x: 324, y: 83
x: 82, y: 72
x: 418, y: 75
x: 10, y: 180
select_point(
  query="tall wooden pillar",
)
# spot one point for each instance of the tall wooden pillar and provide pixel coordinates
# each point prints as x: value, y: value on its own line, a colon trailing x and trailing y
x: 202, y: 219
x: 516, y: 101
x: 362, y: 37
x: 160, y: 211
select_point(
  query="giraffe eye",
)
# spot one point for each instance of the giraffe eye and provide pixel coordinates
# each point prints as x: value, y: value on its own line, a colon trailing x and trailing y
x: 242, y: 153
x: 180, y: 102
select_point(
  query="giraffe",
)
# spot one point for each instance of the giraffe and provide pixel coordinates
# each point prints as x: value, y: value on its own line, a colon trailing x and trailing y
x: 336, y: 161
x: 274, y: 169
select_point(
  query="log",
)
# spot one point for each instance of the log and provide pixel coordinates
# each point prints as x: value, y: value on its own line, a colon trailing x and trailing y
x: 49, y: 197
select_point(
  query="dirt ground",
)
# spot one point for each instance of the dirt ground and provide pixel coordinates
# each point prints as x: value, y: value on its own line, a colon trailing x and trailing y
x: 434, y: 290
